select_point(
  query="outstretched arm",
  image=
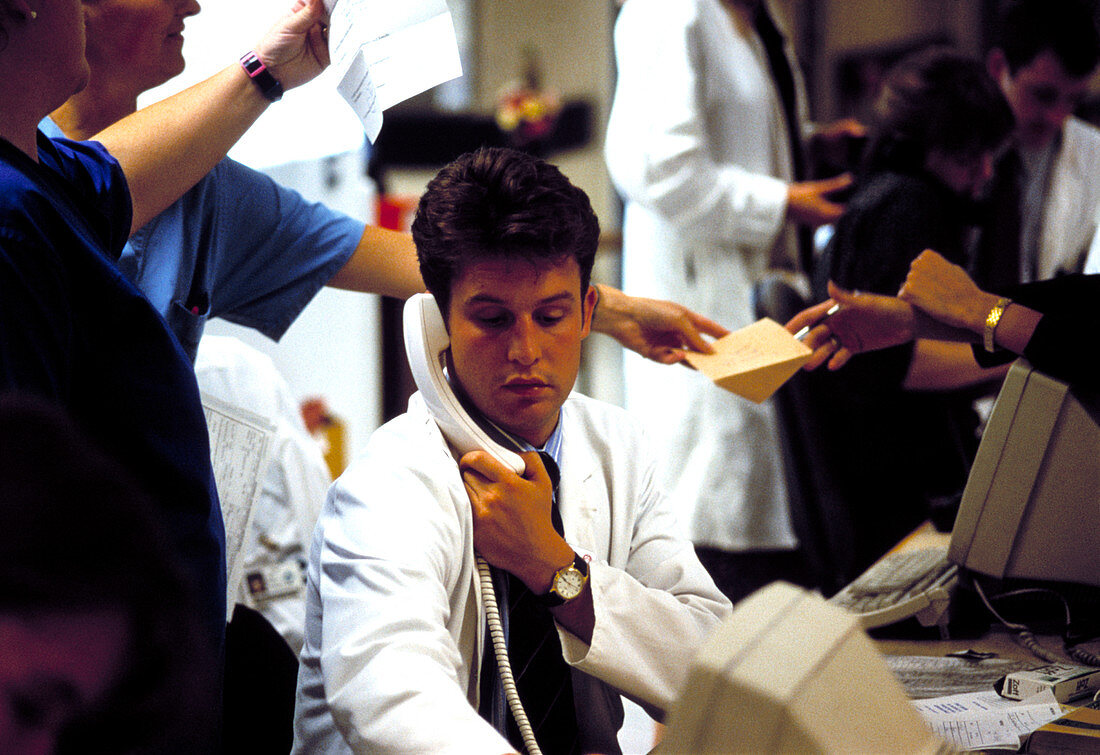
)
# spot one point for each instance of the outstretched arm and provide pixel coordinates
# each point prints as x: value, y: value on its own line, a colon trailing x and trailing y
x: 657, y: 329
x: 938, y: 303
x: 166, y: 148
x: 947, y: 294
x: 865, y: 322
x: 385, y: 263
x: 944, y: 366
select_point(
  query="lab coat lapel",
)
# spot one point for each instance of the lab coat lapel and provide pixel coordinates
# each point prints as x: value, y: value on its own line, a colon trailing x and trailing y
x: 578, y: 494
x: 1062, y: 217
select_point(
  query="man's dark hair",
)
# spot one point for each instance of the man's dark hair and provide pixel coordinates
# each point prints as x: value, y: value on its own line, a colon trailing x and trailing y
x: 1067, y: 28
x: 501, y: 203
x: 936, y: 99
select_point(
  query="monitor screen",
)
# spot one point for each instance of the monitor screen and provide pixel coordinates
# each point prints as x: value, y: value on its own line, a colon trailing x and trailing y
x: 1031, y: 508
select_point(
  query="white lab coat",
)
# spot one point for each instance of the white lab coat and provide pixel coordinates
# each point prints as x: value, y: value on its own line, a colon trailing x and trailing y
x: 697, y: 144
x: 1073, y: 204
x: 293, y: 486
x: 395, y: 626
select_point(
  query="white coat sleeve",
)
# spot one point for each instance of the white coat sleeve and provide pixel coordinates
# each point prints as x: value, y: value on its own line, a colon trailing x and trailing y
x: 386, y: 569
x: 657, y: 143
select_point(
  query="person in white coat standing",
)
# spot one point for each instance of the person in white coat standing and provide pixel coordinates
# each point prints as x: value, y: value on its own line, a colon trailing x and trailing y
x: 276, y: 545
x: 705, y: 144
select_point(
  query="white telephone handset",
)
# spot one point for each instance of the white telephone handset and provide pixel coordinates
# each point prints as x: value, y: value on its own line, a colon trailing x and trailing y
x: 426, y: 341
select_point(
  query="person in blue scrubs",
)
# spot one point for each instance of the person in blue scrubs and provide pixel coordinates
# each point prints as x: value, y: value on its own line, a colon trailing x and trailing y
x: 73, y: 330
x: 241, y: 247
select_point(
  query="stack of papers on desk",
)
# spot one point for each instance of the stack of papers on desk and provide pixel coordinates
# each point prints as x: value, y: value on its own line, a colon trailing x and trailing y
x: 985, y: 720
x: 970, y: 720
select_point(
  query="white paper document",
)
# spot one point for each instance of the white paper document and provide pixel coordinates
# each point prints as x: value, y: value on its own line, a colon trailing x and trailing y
x: 385, y: 52
x: 240, y: 451
x: 985, y: 720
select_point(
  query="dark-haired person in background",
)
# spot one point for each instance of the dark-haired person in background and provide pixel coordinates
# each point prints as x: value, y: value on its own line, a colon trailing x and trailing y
x: 1044, y: 196
x: 933, y: 133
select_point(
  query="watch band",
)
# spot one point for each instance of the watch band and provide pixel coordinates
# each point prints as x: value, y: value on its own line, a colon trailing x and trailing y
x: 991, y: 321
x: 257, y: 71
x: 554, y: 598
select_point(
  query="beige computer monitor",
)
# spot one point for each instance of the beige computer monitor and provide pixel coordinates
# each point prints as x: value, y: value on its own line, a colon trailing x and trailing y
x: 787, y: 672
x: 1031, y: 508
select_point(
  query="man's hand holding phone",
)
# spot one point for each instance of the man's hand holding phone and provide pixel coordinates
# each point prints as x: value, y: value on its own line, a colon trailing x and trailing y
x: 513, y: 529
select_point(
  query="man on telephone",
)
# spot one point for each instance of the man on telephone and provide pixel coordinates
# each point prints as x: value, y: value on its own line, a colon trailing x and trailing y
x: 595, y: 595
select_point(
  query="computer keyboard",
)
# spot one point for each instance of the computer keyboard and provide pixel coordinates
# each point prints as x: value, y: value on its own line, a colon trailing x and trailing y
x: 899, y: 585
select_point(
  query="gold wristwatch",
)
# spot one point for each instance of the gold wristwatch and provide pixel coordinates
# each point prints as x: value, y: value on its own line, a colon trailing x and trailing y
x: 567, y: 584
x: 991, y: 321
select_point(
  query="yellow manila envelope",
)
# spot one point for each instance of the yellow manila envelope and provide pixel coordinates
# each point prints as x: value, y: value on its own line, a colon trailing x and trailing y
x: 753, y: 362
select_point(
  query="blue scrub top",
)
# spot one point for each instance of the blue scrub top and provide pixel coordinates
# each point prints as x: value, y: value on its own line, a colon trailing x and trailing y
x: 74, y: 331
x: 237, y: 246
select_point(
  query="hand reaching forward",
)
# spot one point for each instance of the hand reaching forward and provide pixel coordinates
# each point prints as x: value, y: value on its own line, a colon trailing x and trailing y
x: 657, y: 329
x: 864, y: 322
x: 810, y: 203
x: 946, y: 293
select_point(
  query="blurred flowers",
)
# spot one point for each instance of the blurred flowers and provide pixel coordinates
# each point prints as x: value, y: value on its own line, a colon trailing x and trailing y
x: 525, y: 110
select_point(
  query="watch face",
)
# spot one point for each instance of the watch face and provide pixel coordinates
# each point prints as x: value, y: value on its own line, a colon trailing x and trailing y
x: 569, y: 582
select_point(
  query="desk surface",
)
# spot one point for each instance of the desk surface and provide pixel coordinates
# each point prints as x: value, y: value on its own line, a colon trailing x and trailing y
x: 997, y: 640
x: 1000, y: 642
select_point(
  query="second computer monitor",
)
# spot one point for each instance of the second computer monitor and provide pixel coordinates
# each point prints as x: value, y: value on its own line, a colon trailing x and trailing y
x: 1031, y: 508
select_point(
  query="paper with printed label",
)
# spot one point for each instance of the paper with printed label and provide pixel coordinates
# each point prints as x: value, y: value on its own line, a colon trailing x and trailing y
x: 240, y: 451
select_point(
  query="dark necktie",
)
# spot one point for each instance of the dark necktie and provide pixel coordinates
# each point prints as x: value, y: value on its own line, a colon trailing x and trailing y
x: 783, y: 78
x: 995, y: 260
x: 543, y: 678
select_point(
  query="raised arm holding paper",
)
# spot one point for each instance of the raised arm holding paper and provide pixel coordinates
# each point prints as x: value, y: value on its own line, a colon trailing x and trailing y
x: 262, y: 263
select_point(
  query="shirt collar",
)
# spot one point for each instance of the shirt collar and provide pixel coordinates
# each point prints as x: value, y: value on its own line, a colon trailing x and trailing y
x: 50, y: 129
x: 552, y: 445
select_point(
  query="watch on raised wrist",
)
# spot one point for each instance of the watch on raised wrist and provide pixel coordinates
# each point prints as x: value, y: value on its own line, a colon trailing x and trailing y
x: 261, y: 76
x: 567, y: 584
